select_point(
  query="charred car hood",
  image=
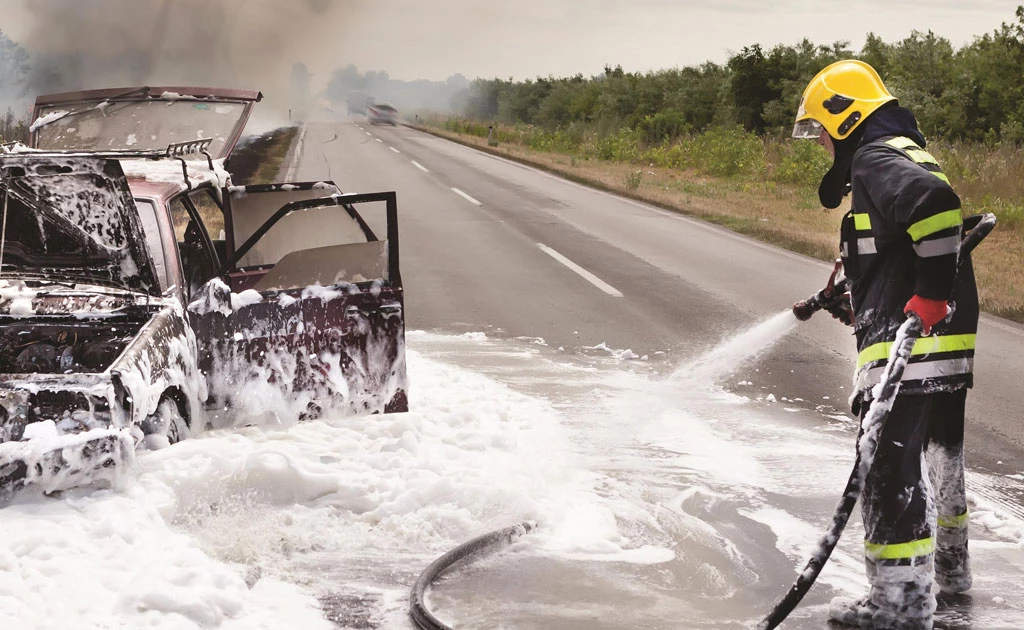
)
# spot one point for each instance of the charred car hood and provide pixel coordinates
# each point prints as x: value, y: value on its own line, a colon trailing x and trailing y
x: 73, y: 218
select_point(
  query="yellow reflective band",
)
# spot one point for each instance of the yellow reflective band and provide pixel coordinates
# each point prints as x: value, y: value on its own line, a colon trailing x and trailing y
x: 920, y: 156
x: 899, y: 551
x: 902, y: 142
x: 935, y: 223
x: 955, y: 522
x: 924, y: 345
x: 916, y: 153
x: 861, y: 221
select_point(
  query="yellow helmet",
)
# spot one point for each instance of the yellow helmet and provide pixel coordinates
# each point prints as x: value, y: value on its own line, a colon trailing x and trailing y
x: 839, y: 98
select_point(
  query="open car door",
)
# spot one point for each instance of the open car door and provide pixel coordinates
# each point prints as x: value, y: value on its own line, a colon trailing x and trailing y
x: 308, y: 310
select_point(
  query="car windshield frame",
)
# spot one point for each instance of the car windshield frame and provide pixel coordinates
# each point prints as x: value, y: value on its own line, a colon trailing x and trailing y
x: 55, y: 114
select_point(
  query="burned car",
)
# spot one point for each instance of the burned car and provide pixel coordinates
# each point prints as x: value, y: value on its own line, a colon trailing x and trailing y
x: 142, y: 296
x: 382, y: 114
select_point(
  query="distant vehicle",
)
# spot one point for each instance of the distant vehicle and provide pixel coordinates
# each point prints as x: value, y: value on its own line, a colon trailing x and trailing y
x: 382, y: 114
x: 140, y: 293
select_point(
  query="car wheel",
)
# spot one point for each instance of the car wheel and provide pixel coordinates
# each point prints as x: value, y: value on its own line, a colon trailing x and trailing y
x: 167, y: 422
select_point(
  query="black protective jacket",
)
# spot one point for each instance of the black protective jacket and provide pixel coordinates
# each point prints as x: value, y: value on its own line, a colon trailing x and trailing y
x: 901, y: 237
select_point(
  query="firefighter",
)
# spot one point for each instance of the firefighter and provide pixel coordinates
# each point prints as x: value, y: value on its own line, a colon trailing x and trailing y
x: 900, y: 243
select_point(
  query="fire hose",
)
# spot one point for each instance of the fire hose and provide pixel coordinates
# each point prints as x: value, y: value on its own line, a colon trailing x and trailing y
x: 466, y: 552
x: 884, y: 394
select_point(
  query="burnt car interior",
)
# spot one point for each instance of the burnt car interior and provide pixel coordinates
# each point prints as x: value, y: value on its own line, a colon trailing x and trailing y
x: 63, y: 348
x: 273, y: 237
x: 200, y: 260
x: 285, y: 237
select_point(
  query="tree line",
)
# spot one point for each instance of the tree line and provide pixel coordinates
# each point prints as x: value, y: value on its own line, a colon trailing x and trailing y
x: 975, y: 92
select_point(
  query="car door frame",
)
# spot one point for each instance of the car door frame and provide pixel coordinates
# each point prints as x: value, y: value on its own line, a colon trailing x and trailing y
x: 346, y: 200
x: 366, y: 319
x: 193, y: 214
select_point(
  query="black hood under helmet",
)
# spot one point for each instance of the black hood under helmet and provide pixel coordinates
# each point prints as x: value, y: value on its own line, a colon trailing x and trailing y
x: 888, y: 120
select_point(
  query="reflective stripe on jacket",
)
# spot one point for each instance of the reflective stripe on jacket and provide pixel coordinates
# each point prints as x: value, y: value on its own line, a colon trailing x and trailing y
x: 901, y: 237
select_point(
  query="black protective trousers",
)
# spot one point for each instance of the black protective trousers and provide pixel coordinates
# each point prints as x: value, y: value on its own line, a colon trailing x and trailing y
x: 914, y: 501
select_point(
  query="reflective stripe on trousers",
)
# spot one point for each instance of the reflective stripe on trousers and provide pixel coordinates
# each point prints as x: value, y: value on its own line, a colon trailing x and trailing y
x: 924, y: 345
x: 868, y: 377
x: 899, y: 551
x: 958, y: 521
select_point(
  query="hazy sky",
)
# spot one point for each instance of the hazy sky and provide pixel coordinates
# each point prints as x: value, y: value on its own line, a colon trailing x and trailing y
x: 254, y: 42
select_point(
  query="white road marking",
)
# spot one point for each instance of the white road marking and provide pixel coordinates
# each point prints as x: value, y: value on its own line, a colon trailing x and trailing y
x: 394, y: 149
x: 1005, y: 325
x: 465, y: 196
x: 368, y: 133
x: 419, y: 166
x: 586, y: 275
x: 676, y: 216
x: 378, y: 140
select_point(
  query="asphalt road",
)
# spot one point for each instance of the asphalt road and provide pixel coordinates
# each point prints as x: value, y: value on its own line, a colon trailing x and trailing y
x: 490, y: 244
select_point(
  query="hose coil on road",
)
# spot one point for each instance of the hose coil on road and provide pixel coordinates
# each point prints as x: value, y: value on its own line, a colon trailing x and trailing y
x: 482, y: 545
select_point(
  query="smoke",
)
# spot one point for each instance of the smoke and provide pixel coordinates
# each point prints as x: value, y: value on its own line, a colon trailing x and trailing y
x: 81, y: 44
x: 347, y: 86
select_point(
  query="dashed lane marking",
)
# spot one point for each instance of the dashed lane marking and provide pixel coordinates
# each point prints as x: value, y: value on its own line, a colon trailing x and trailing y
x: 419, y: 166
x: 378, y: 140
x: 583, y: 273
x: 749, y: 240
x: 368, y: 133
x: 394, y: 149
x: 465, y: 196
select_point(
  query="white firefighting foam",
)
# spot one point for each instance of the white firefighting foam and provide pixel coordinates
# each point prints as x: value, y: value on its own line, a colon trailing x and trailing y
x: 288, y: 380
x: 210, y: 511
x: 676, y: 484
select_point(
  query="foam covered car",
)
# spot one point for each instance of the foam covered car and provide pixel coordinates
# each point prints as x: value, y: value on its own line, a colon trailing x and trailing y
x: 143, y: 297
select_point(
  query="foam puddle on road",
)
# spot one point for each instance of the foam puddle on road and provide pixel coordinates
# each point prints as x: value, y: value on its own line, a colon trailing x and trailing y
x: 663, y: 502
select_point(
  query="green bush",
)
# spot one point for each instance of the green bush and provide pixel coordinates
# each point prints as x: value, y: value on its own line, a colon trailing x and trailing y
x: 1009, y: 213
x: 621, y: 146
x: 801, y: 162
x: 663, y: 127
x: 727, y: 151
x: 673, y: 155
x: 470, y: 127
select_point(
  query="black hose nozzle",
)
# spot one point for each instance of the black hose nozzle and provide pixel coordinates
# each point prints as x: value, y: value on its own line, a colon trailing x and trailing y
x: 803, y: 309
x: 836, y: 286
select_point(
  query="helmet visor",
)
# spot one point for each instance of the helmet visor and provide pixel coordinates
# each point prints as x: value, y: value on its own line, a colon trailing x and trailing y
x: 807, y: 128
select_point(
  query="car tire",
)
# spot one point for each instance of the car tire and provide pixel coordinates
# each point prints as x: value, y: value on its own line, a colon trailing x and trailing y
x: 167, y: 422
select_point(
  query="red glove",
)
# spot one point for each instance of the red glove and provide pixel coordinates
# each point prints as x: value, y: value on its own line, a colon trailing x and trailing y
x: 931, y: 312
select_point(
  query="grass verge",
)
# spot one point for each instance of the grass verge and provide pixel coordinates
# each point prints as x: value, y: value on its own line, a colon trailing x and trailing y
x: 258, y: 159
x: 787, y: 215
